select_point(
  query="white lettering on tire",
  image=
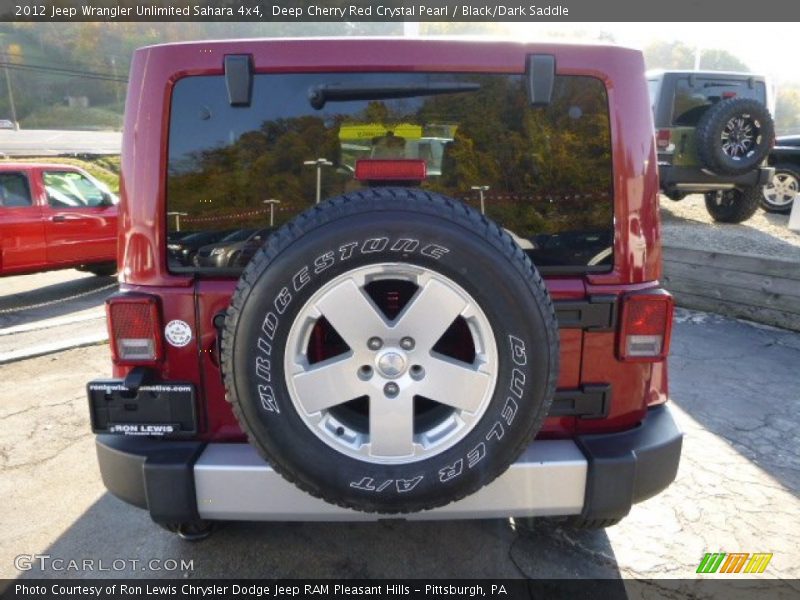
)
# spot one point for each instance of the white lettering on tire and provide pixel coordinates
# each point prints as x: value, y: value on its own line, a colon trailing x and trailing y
x: 451, y: 471
x: 405, y: 245
x: 300, y: 279
x: 475, y: 455
x: 402, y: 486
x: 267, y: 397
x: 374, y: 245
x: 518, y: 351
x: 434, y: 251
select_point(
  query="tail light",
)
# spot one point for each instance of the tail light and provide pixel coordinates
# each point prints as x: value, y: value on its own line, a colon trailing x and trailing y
x: 663, y: 139
x: 646, y: 326
x: 391, y: 170
x: 134, y: 326
x: 728, y: 95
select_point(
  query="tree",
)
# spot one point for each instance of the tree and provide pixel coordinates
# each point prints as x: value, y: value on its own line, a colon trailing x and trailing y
x: 677, y: 55
x: 787, y: 110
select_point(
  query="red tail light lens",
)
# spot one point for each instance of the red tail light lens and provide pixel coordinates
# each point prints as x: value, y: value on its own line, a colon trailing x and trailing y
x: 728, y: 95
x: 646, y: 326
x: 391, y: 170
x: 134, y: 327
x: 663, y: 139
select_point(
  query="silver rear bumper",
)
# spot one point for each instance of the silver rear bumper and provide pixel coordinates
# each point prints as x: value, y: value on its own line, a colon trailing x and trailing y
x: 599, y: 476
x: 233, y: 482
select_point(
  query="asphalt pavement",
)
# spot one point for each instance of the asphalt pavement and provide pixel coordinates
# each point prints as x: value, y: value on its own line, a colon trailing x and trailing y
x: 51, y: 142
x: 734, y: 388
x: 47, y: 312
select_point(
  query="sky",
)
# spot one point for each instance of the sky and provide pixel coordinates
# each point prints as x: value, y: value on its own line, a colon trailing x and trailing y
x: 767, y: 48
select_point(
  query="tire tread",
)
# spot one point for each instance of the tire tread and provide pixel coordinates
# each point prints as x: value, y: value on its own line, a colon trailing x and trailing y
x: 386, y: 199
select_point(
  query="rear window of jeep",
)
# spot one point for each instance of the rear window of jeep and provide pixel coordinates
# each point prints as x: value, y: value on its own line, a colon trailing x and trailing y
x: 543, y: 173
x: 692, y: 98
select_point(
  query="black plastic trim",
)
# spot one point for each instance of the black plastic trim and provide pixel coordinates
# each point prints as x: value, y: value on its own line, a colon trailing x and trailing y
x: 630, y: 466
x: 541, y: 72
x: 156, y: 475
x: 137, y: 377
x: 598, y: 313
x: 239, y: 78
x: 587, y: 402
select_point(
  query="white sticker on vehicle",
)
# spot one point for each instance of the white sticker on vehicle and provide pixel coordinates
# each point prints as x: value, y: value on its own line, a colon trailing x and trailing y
x: 178, y: 333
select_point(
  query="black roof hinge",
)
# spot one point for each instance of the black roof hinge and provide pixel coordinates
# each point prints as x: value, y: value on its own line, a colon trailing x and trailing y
x: 239, y: 78
x: 541, y: 74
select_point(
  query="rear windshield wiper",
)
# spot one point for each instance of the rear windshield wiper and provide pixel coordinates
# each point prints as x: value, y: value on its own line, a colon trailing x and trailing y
x: 334, y: 92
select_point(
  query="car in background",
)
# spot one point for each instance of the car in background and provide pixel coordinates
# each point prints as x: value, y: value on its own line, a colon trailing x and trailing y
x: 181, y: 251
x: 55, y: 217
x: 231, y: 250
x: 779, y: 195
x: 713, y: 133
x: 7, y: 124
x: 584, y: 247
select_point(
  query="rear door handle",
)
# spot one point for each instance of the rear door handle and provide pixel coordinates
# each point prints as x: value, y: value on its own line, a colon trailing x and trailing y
x: 58, y: 218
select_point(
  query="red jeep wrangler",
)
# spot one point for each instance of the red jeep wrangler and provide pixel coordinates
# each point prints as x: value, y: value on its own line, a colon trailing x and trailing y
x: 55, y: 217
x: 457, y: 315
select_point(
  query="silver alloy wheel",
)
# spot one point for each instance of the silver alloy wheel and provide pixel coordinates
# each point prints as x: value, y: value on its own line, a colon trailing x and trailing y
x: 391, y: 362
x: 782, y: 191
x: 739, y: 136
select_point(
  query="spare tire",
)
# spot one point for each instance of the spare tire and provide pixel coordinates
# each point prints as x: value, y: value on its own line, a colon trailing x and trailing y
x: 390, y: 350
x: 734, y: 136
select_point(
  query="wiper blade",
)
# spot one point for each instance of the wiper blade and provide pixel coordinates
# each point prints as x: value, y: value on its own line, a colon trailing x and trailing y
x: 333, y: 92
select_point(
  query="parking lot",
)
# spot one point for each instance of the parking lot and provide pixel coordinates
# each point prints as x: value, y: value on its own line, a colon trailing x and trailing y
x: 733, y: 385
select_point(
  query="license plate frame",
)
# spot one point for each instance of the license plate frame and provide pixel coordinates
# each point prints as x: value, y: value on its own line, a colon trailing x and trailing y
x: 162, y: 409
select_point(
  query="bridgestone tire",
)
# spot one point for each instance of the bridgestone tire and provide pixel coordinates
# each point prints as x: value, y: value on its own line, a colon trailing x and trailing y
x: 712, y: 127
x: 411, y: 229
x: 733, y: 206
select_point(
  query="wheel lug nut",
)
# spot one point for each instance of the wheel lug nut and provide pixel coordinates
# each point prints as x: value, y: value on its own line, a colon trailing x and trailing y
x: 417, y: 372
x: 391, y: 389
x: 374, y: 343
x: 407, y: 343
x: 365, y: 372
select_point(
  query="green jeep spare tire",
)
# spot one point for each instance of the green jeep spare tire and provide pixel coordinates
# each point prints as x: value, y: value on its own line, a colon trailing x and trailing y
x: 734, y: 136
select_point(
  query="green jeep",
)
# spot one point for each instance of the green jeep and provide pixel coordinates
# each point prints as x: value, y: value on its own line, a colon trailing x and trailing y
x: 713, y: 133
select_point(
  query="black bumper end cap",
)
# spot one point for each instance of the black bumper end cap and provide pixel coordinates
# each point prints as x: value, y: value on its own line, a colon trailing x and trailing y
x: 156, y: 475
x: 631, y: 466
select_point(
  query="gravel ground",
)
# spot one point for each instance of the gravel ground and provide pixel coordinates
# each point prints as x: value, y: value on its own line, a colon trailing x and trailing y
x: 688, y: 224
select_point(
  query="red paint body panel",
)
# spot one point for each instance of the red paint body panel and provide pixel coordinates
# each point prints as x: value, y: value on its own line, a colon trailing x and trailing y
x: 586, y: 357
x: 40, y: 237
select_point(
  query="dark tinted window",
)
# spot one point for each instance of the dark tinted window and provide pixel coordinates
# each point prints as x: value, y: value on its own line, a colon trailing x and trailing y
x: 14, y: 190
x: 691, y: 101
x: 547, y: 170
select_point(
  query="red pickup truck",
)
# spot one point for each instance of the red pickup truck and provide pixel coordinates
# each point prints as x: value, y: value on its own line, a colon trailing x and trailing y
x: 54, y: 217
